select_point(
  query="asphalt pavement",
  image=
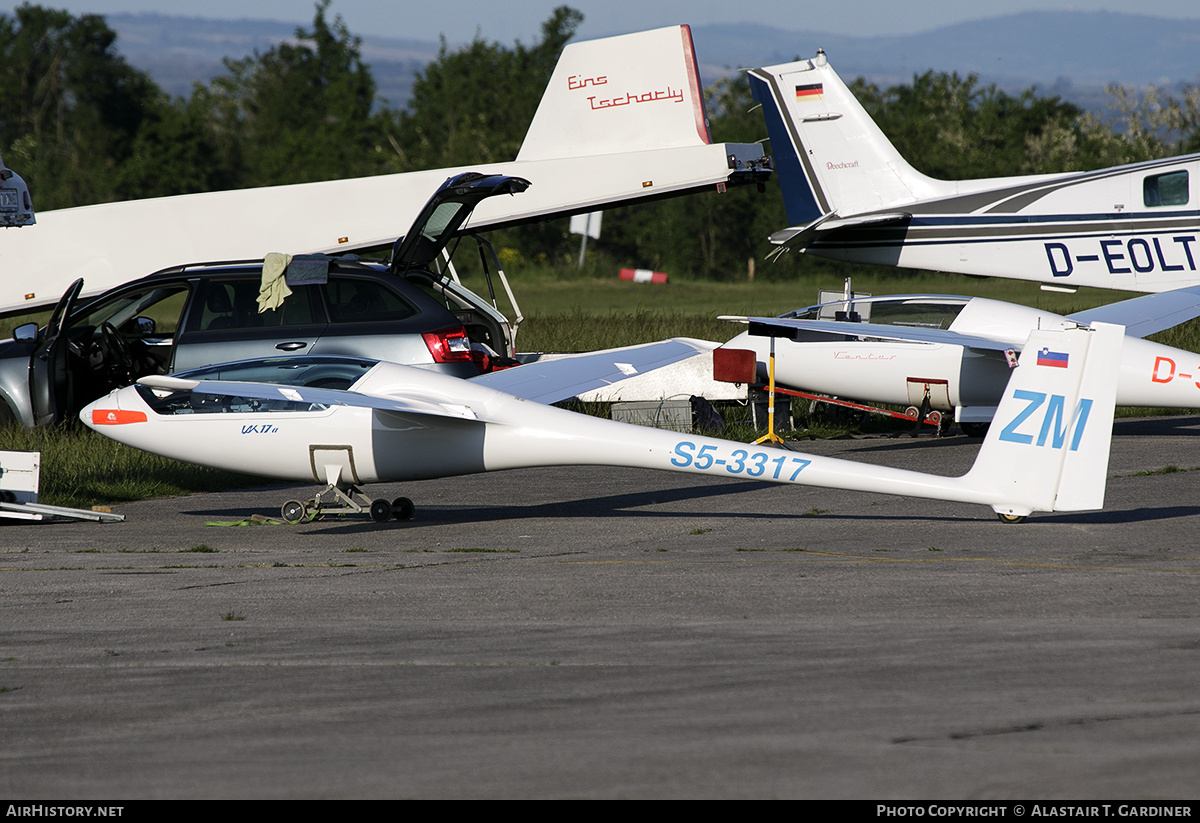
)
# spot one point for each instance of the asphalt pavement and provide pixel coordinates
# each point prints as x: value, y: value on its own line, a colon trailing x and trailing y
x: 596, y: 632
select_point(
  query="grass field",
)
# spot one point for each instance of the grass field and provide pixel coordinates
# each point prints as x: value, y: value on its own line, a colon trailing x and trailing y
x: 563, y: 312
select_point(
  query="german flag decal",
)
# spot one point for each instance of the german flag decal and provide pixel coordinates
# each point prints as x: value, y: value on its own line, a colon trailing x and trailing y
x: 813, y: 91
x: 116, y: 417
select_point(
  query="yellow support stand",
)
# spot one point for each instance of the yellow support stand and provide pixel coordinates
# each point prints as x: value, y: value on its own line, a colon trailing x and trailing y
x: 771, y: 436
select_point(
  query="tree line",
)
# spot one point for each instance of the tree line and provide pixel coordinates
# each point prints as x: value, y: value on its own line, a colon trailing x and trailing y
x: 82, y: 126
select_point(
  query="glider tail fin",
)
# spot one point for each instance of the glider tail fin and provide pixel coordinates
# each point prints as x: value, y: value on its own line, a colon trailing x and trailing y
x: 1047, y: 448
x: 829, y: 154
x: 619, y: 94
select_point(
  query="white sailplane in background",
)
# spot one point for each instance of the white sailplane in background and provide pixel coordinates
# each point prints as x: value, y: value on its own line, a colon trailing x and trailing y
x: 621, y: 120
x: 947, y: 353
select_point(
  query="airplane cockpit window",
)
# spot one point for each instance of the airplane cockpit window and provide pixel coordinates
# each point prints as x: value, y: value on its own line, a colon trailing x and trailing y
x: 189, y: 402
x: 1170, y: 189
x: 919, y: 312
x: 329, y: 372
x: 313, y: 372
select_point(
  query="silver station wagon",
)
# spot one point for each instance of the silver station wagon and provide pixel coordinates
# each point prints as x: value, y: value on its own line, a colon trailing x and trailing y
x: 190, y: 316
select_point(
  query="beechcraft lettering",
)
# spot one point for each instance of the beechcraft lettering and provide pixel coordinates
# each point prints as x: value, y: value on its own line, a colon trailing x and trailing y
x: 1137, y: 254
x: 1132, y: 227
x: 1052, y: 420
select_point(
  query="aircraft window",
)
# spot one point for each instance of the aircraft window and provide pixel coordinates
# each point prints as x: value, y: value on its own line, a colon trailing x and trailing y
x: 188, y: 402
x: 888, y: 313
x: 925, y: 315
x: 233, y: 304
x: 319, y: 372
x: 352, y: 300
x: 1169, y: 189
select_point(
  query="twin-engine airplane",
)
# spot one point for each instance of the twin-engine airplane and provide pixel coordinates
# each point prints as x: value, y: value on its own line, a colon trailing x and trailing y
x: 851, y: 196
x: 950, y: 353
x: 1049, y: 451
x: 622, y: 120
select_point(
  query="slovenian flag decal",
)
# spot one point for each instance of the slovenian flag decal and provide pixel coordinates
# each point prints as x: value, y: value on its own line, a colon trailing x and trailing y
x: 813, y: 91
x: 1055, y: 359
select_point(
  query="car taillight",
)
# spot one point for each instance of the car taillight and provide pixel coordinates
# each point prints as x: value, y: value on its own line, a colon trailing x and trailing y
x: 449, y: 345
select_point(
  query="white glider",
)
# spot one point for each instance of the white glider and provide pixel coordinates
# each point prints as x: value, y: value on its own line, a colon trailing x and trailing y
x: 953, y: 354
x: 397, y: 423
x: 621, y: 120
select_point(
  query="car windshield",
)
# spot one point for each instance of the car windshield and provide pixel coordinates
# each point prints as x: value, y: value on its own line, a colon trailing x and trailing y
x: 163, y: 305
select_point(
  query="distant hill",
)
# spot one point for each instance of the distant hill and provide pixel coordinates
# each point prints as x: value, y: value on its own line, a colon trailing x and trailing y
x: 180, y: 51
x: 1072, y: 54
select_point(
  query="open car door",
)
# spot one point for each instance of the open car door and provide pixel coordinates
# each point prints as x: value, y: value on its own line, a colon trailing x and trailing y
x: 50, y: 385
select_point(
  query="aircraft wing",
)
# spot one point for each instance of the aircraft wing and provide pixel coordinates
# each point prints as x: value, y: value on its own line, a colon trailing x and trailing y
x: 549, y: 381
x: 412, y: 403
x: 796, y: 329
x: 797, y: 237
x: 1142, y: 316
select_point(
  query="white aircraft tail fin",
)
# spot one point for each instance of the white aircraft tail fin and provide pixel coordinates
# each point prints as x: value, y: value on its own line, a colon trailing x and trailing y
x: 620, y: 94
x: 1047, y: 448
x: 829, y: 154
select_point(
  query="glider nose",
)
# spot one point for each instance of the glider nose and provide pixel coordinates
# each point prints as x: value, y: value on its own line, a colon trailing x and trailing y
x: 118, y: 408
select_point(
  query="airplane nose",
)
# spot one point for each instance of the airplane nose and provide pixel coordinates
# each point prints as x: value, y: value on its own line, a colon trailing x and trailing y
x: 112, y: 410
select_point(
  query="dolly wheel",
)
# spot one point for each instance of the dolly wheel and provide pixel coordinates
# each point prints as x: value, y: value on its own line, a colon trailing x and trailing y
x: 381, y: 510
x: 1011, y: 518
x: 292, y: 511
x: 403, y: 508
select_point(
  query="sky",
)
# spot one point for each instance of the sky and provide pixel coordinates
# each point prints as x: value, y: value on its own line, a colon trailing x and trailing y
x: 511, y: 20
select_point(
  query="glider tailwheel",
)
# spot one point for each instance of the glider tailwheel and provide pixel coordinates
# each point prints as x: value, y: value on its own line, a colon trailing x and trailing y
x: 1010, y: 518
x: 293, y: 512
x: 403, y: 508
x: 381, y: 510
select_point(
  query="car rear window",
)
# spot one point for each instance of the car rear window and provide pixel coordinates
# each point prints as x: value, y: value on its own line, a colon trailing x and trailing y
x: 355, y: 300
x: 233, y: 304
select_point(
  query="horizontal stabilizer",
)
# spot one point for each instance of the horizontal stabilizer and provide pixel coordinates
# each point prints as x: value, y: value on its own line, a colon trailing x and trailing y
x: 797, y: 237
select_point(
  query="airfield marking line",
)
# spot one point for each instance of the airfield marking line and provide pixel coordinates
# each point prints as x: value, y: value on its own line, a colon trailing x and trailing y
x: 991, y: 561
